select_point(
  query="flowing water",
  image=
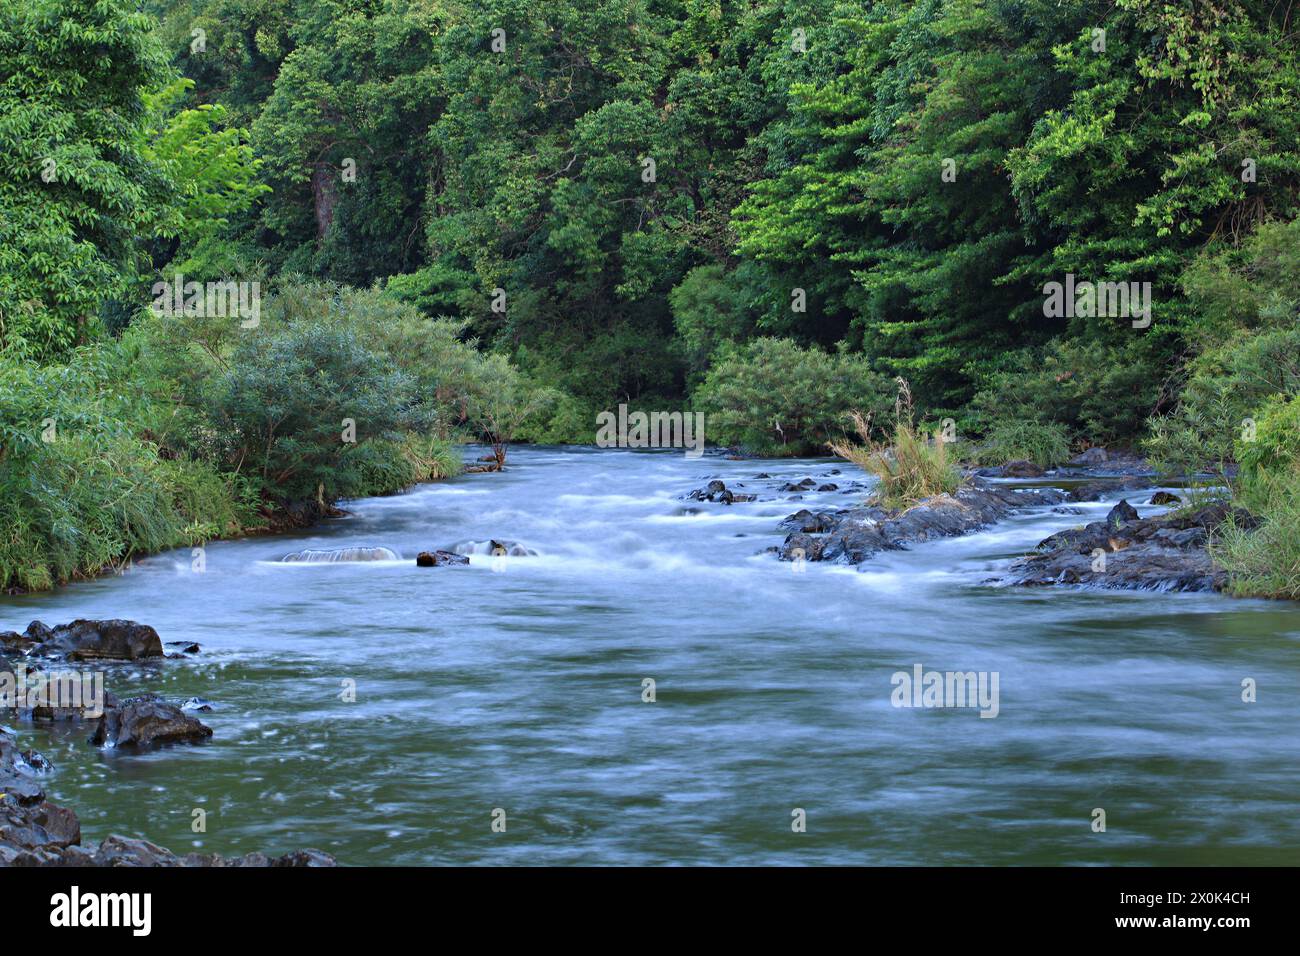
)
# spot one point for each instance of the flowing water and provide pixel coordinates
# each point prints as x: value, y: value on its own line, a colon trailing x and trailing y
x: 517, y: 683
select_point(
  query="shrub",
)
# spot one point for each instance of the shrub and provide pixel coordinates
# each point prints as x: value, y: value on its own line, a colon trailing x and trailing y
x: 774, y: 397
x: 1224, y: 388
x: 1265, y: 561
x: 1099, y: 393
x: 81, y: 487
x: 285, y: 404
x: 1045, y: 444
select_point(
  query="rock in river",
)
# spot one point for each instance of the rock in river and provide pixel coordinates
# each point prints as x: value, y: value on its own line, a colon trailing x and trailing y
x: 146, y: 721
x: 1164, y: 553
x: 438, y: 559
x: 854, y: 535
x: 36, y: 832
x: 96, y: 640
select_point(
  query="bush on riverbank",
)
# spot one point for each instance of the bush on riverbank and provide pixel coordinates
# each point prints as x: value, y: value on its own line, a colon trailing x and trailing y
x: 82, y: 484
x: 1046, y: 444
x: 1265, y: 561
x: 774, y: 397
x: 192, y: 427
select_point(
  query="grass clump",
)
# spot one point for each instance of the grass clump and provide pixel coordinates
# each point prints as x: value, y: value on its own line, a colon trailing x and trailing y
x: 908, y: 465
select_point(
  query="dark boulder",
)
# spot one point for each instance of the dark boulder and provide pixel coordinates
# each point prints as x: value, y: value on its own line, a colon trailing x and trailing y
x: 854, y: 535
x: 719, y: 493
x: 438, y: 559
x: 799, y: 546
x: 101, y: 640
x: 37, y: 632
x: 1122, y: 514
x: 146, y: 721
x: 1165, y: 498
x: 805, y: 520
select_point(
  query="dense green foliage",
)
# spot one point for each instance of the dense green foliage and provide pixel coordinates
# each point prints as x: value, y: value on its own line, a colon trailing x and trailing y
x: 765, y: 211
x: 780, y: 399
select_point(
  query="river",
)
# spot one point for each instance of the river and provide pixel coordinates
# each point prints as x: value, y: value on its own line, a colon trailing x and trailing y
x: 517, y: 684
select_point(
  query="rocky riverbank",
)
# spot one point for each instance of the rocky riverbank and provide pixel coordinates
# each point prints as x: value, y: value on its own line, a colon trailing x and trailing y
x: 33, y: 830
x: 1166, y: 551
x: 1126, y: 551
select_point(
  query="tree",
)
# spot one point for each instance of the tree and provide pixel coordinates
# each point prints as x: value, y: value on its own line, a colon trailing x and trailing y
x: 76, y: 188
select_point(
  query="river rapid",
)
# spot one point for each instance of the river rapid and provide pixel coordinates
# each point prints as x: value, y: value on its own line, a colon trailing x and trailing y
x: 517, y: 684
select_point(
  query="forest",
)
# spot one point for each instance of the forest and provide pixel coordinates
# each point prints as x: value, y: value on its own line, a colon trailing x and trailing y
x: 415, y: 223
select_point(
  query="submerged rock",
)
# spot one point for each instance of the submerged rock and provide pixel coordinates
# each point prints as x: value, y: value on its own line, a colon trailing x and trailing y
x: 96, y: 640
x: 146, y: 721
x: 331, y: 555
x: 1094, y: 490
x: 805, y: 520
x: 494, y: 547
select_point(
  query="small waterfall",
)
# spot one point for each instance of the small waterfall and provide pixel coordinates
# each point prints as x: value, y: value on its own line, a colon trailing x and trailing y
x: 329, y: 556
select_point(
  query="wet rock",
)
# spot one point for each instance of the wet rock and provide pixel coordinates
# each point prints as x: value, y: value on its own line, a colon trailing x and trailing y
x: 197, y: 704
x: 1163, y: 553
x: 37, y: 632
x: 799, y: 546
x: 14, y: 642
x: 146, y: 721
x: 1067, y: 510
x: 36, y: 761
x: 855, y: 535
x: 829, y: 486
x: 185, y: 647
x: 807, y: 484
x: 1164, y: 498
x: 100, y: 640
x: 1094, y: 490
x: 718, y: 492
x: 438, y: 559
x: 1122, y: 514
x: 36, y: 832
x: 805, y: 520
x: 1021, y: 468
